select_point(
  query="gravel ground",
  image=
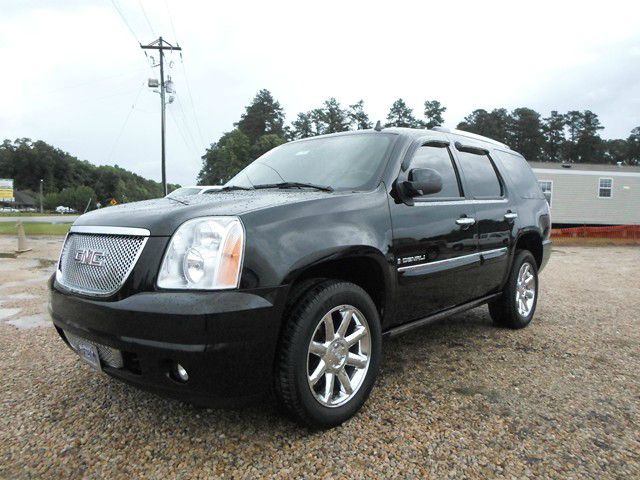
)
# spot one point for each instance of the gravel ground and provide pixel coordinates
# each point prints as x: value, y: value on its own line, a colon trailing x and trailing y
x: 458, y: 399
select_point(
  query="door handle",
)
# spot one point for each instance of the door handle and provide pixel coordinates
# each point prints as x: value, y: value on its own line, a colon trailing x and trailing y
x: 465, y: 221
x: 510, y: 216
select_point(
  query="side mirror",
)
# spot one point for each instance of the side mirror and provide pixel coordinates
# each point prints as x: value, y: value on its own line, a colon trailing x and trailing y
x: 423, y: 181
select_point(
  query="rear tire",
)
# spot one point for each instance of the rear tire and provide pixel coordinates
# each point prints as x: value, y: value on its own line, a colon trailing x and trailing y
x: 329, y: 354
x: 517, y: 305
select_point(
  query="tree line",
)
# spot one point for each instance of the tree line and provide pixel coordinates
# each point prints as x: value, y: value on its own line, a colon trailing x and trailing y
x: 69, y: 181
x: 560, y: 137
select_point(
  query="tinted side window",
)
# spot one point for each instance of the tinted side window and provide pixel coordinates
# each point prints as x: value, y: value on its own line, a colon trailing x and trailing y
x: 520, y: 174
x: 480, y: 176
x: 438, y: 159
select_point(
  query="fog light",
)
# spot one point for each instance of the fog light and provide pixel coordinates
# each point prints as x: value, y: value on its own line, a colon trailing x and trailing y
x: 180, y: 373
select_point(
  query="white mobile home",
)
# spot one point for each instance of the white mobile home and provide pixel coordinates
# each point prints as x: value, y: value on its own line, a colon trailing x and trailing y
x: 585, y: 194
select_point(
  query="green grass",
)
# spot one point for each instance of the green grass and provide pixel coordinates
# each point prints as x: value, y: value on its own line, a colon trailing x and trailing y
x: 27, y: 214
x: 35, y: 228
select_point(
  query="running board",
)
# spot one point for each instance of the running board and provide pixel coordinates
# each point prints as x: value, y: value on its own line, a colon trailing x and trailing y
x: 395, y: 331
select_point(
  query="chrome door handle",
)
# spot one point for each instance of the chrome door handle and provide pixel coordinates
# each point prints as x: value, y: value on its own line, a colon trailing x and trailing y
x: 510, y: 216
x: 465, y: 221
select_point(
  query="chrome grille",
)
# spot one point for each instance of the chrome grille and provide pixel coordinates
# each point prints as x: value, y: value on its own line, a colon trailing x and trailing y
x: 113, y: 255
x: 108, y: 355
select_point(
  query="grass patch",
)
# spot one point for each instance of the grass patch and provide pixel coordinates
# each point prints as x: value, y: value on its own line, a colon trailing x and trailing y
x: 11, y: 228
x: 28, y: 214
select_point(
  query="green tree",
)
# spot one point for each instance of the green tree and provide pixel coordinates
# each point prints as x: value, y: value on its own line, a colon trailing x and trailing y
x: 225, y: 158
x: 433, y: 111
x: 263, y: 116
x: 303, y: 126
x: 554, y: 136
x: 525, y: 133
x: 494, y: 124
x: 589, y: 145
x: 633, y: 147
x: 28, y: 161
x: 359, y: 118
x: 400, y: 115
x: 335, y: 117
x: 266, y: 143
x: 615, y: 150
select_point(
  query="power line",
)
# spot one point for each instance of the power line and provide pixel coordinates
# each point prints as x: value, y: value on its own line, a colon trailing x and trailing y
x: 186, y: 78
x: 193, y: 107
x: 153, y: 34
x: 115, y: 5
x: 184, y: 140
x: 186, y: 123
x: 166, y: 5
x: 126, y: 120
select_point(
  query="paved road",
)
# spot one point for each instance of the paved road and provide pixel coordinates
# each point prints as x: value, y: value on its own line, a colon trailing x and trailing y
x: 42, y: 219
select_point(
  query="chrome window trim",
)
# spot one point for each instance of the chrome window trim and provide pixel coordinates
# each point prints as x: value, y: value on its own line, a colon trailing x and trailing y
x: 100, y: 230
x: 463, y: 260
x: 431, y: 203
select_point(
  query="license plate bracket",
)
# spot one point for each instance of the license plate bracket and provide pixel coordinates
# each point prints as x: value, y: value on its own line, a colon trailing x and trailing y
x: 88, y: 352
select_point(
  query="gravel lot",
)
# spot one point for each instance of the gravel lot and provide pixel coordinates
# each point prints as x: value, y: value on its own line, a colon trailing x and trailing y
x: 458, y: 399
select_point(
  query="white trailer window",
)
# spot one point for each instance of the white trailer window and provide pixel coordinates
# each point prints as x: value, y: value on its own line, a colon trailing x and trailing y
x: 547, y: 189
x: 605, y: 187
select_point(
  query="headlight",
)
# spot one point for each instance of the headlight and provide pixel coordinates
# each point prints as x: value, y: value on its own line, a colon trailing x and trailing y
x: 204, y: 254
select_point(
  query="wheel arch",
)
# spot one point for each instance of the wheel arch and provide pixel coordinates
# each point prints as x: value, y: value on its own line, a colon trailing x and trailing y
x: 364, y: 266
x: 531, y: 240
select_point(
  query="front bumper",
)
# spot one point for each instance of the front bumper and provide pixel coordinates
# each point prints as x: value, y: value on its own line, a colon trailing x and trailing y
x: 226, y: 340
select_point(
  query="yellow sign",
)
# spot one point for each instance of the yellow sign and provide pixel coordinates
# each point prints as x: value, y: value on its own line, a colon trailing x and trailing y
x: 113, y: 202
x: 6, y: 190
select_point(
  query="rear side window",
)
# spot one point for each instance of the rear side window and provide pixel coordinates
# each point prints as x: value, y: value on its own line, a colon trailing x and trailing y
x: 438, y: 159
x: 521, y: 176
x: 480, y: 177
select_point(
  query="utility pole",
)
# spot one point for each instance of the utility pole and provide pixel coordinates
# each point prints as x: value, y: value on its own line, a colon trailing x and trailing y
x: 41, y: 182
x: 162, y: 45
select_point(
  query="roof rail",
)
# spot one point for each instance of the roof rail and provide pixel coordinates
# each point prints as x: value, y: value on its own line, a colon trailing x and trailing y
x: 474, y: 136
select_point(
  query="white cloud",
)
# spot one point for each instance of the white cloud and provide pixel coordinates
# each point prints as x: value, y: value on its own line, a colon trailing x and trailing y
x: 75, y: 69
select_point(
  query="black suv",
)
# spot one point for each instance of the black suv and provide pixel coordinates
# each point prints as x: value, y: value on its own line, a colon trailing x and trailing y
x: 288, y: 277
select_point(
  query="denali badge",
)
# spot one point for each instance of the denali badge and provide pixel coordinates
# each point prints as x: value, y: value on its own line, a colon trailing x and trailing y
x: 90, y: 257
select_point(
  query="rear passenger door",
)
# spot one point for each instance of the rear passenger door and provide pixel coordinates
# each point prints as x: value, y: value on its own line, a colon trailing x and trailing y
x: 494, y: 217
x: 433, y: 239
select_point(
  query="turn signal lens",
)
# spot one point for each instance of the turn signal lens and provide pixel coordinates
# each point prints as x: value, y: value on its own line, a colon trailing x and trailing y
x: 230, y: 259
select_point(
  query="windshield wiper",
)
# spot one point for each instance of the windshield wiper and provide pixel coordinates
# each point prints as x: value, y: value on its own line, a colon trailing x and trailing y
x: 176, y: 200
x: 234, y: 187
x: 294, y: 185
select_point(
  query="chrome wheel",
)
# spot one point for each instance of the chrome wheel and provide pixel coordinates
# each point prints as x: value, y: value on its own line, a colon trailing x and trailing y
x: 525, y: 289
x: 339, y: 355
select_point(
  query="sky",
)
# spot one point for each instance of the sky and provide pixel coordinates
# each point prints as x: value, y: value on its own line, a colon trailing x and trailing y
x: 76, y: 77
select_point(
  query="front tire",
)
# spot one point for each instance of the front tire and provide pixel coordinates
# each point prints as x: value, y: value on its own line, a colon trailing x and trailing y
x: 517, y: 305
x: 329, y: 354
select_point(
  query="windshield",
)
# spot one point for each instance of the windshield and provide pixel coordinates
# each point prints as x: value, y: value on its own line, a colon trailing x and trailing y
x: 349, y: 162
x: 181, y: 192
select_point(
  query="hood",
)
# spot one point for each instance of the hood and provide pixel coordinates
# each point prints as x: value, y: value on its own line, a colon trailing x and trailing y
x: 163, y: 215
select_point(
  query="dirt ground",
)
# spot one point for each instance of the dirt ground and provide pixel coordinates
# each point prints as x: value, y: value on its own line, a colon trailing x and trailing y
x: 457, y: 399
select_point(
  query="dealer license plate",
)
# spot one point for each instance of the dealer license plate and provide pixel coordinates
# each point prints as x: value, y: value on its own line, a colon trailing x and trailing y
x: 89, y: 353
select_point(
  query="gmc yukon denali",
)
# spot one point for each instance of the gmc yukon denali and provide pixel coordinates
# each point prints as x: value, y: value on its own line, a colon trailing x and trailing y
x: 287, y: 279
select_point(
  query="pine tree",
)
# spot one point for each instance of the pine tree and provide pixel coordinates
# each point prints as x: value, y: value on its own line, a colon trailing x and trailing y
x: 554, y: 136
x: 359, y: 118
x: 303, y: 126
x: 400, y: 115
x: 335, y: 118
x: 263, y: 116
x: 433, y: 111
x: 525, y: 133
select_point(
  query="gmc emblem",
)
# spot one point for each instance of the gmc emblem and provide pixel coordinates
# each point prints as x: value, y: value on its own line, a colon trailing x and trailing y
x: 86, y: 256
